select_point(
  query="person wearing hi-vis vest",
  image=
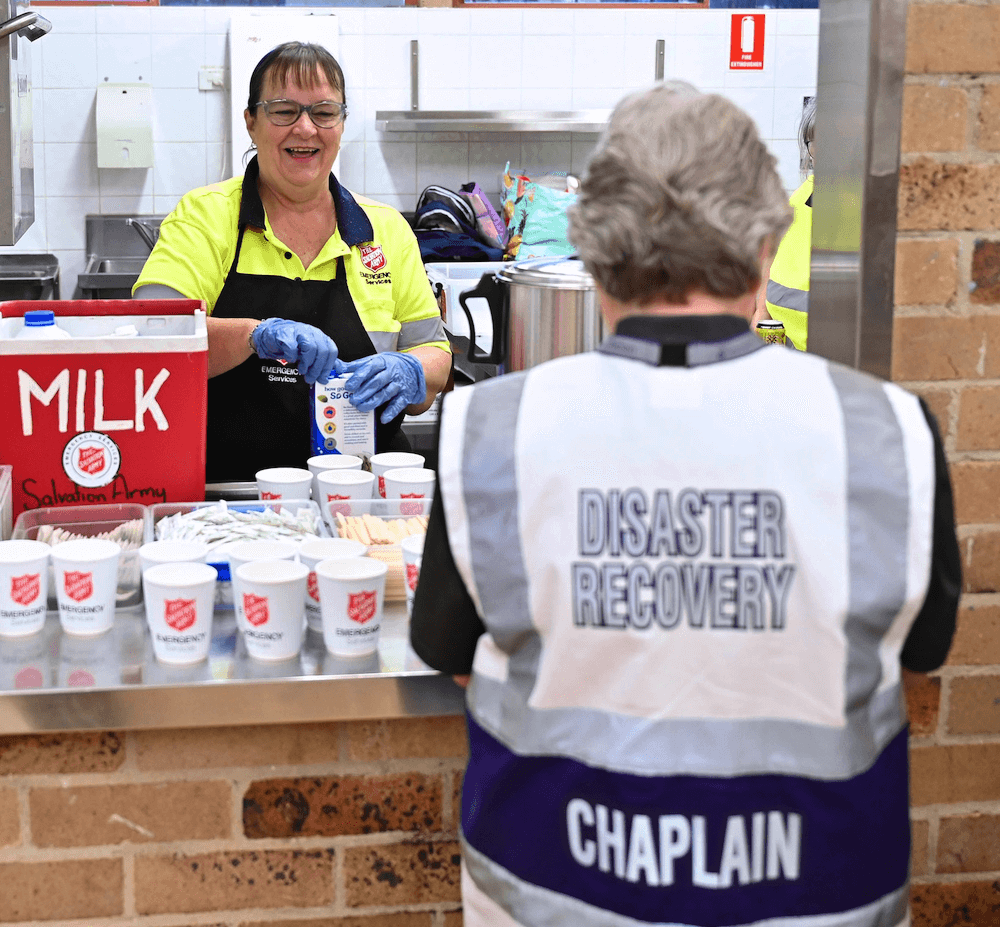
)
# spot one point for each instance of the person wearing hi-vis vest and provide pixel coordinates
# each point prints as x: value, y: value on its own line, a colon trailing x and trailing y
x: 786, y: 294
x: 685, y: 611
x: 299, y: 276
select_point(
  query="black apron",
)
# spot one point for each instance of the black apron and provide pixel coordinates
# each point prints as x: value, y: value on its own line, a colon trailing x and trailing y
x: 260, y: 413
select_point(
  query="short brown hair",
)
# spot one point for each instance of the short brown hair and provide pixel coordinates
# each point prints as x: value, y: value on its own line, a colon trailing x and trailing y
x: 298, y: 60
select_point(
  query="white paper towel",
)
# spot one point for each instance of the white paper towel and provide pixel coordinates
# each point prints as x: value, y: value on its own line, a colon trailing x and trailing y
x: 251, y: 36
x: 124, y: 125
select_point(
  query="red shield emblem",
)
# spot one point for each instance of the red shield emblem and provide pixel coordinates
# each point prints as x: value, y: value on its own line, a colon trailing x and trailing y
x: 410, y: 508
x: 313, y: 587
x: 338, y: 505
x: 29, y: 678
x: 361, y: 606
x: 372, y: 257
x: 381, y: 486
x: 270, y: 495
x: 25, y: 589
x: 179, y: 613
x: 412, y: 574
x: 80, y: 677
x: 78, y: 586
x: 255, y: 608
x: 90, y: 460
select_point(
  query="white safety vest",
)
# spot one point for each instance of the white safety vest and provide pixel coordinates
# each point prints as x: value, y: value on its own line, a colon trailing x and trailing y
x: 687, y: 707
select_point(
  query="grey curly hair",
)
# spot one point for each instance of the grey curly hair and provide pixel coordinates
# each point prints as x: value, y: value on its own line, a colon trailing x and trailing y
x: 680, y: 195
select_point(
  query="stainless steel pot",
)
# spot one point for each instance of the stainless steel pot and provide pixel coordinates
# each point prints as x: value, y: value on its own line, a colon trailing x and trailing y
x: 541, y: 309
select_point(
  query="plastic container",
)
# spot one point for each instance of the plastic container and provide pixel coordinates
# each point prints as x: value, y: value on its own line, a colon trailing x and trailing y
x: 41, y: 324
x: 380, y: 524
x: 122, y: 522
x: 157, y: 529
x: 6, y: 503
x: 448, y: 280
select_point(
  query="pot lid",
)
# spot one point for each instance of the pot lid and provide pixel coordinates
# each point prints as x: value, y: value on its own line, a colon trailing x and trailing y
x: 566, y: 273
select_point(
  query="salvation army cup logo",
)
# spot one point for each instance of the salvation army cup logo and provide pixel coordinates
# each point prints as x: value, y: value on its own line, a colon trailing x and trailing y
x: 381, y: 486
x: 25, y: 589
x: 255, y: 608
x: 372, y: 257
x: 78, y: 586
x: 412, y: 574
x: 361, y: 606
x: 269, y: 495
x: 338, y: 505
x: 313, y: 586
x: 179, y: 613
x: 411, y: 508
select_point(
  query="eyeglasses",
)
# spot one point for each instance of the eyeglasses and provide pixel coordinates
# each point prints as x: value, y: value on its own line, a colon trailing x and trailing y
x: 325, y: 115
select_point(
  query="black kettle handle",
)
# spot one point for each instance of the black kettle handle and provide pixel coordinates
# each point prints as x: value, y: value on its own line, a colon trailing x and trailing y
x: 492, y: 290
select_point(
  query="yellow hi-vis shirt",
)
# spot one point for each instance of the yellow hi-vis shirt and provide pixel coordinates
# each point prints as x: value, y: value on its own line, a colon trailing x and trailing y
x: 788, y: 288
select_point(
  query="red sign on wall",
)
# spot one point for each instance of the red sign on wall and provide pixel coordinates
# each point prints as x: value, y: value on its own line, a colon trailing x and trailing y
x: 746, y: 43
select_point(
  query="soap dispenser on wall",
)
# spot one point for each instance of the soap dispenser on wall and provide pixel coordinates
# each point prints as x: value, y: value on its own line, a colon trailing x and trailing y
x: 124, y: 125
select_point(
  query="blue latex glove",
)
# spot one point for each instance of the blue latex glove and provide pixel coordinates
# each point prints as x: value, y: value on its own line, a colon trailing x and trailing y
x: 395, y: 378
x: 312, y: 351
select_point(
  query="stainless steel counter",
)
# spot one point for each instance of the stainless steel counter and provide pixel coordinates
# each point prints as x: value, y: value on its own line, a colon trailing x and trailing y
x: 56, y: 682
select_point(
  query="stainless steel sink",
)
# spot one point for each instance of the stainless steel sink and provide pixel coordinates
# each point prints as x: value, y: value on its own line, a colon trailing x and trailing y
x: 109, y: 277
x: 117, y: 251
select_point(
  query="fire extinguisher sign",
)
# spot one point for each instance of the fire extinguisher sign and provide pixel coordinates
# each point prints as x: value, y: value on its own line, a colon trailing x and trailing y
x: 746, y: 43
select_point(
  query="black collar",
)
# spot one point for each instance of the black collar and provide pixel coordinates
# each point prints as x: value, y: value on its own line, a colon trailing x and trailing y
x: 681, y: 340
x: 354, y: 224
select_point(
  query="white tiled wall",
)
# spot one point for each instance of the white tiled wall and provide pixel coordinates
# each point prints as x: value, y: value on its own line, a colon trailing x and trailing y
x: 469, y: 59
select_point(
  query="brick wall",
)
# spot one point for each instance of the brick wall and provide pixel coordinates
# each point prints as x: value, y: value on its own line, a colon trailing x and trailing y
x: 294, y: 826
x: 947, y: 348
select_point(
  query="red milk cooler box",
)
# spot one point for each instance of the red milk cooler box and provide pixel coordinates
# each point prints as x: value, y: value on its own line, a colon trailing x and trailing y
x: 116, y: 413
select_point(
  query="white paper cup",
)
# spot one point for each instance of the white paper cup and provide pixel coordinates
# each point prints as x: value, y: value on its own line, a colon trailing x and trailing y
x: 273, y: 603
x: 180, y: 601
x: 24, y: 587
x: 169, y: 551
x: 283, y: 483
x: 86, y: 578
x: 409, y: 483
x: 338, y: 488
x: 351, y: 595
x: 322, y: 462
x: 24, y: 662
x: 392, y: 460
x: 247, y: 552
x: 89, y: 661
x: 310, y: 553
x: 413, y: 552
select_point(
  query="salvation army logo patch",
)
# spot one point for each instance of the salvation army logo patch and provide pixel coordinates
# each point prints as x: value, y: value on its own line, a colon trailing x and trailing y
x: 91, y: 459
x: 255, y: 608
x: 25, y: 589
x: 77, y: 585
x: 361, y: 606
x: 179, y: 613
x: 372, y: 257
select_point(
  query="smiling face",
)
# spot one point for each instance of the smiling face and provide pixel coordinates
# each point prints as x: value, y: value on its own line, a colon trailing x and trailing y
x: 296, y: 160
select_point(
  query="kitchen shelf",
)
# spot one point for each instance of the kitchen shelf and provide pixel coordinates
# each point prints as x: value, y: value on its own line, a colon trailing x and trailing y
x: 589, y: 120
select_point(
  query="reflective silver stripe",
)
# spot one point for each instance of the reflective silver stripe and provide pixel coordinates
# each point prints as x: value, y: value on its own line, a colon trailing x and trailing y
x: 541, y: 907
x: 684, y: 747
x: 384, y: 341
x: 489, y: 481
x: 787, y: 297
x: 422, y: 331
x: 876, y: 472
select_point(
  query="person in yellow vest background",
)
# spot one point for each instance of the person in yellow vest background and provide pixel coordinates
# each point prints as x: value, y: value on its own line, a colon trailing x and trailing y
x: 785, y: 297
